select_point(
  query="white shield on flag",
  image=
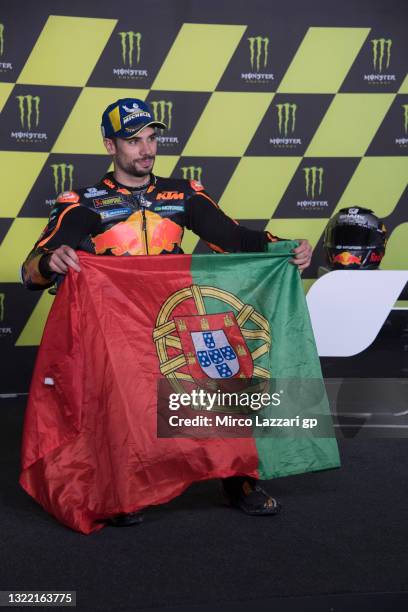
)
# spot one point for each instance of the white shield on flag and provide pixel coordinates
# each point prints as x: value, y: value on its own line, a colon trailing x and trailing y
x: 214, y: 353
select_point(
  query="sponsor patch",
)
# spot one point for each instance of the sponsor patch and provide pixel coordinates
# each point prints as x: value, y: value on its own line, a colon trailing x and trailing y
x: 109, y: 183
x: 109, y: 214
x: 170, y: 195
x: 92, y: 192
x: 108, y: 201
x: 169, y: 208
x: 68, y: 196
x: 196, y: 186
x: 144, y: 202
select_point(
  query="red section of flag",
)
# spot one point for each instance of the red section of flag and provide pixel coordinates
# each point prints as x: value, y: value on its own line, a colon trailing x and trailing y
x: 90, y: 448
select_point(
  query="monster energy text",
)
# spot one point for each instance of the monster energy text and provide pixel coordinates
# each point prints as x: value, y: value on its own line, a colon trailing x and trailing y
x: 313, y: 181
x: 29, y: 114
x: 258, y: 59
x: 192, y: 173
x: 381, y: 59
x: 63, y: 179
x: 131, y: 51
x: 286, y: 113
x: 163, y: 112
x: 403, y: 141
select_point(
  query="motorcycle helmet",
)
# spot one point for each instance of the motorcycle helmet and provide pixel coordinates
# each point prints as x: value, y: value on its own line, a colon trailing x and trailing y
x: 354, y: 239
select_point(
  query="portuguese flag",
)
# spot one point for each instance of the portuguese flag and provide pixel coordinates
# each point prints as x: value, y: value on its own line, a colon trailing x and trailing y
x: 90, y: 444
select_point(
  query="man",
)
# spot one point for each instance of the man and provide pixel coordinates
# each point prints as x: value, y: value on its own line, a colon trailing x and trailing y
x: 133, y: 212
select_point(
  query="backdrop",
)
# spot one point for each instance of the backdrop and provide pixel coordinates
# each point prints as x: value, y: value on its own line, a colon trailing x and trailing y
x: 286, y: 111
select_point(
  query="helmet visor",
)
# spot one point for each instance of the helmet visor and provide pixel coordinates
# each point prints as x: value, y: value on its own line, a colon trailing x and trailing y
x: 354, y: 236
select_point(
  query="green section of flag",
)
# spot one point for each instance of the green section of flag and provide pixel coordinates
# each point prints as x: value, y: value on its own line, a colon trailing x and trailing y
x: 266, y: 284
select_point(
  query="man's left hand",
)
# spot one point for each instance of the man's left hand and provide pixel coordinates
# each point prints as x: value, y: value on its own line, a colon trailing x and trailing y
x: 302, y: 254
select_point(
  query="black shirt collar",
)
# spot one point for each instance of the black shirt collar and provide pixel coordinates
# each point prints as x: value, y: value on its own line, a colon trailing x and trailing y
x: 142, y: 188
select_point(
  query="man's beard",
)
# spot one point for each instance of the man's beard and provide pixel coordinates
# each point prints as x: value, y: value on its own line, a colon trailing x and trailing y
x: 131, y: 169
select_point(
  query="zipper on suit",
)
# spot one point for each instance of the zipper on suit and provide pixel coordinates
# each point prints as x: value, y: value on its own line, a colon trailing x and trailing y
x: 144, y: 229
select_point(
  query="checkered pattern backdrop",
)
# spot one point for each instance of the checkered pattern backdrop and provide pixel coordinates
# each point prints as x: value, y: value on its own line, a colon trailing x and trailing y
x: 285, y: 115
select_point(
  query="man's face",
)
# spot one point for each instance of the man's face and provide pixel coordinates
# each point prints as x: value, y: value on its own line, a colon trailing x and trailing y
x: 135, y: 156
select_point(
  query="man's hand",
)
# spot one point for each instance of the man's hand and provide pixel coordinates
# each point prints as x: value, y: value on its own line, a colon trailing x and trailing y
x: 303, y: 254
x: 63, y: 258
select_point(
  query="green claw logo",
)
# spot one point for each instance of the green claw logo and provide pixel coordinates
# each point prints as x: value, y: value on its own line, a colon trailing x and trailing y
x: 26, y: 105
x: 128, y: 42
x: 286, y: 118
x: 1, y: 38
x: 2, y: 306
x: 381, y: 46
x: 163, y: 112
x: 405, y: 109
x: 63, y: 177
x: 192, y: 173
x: 313, y: 181
x: 258, y: 47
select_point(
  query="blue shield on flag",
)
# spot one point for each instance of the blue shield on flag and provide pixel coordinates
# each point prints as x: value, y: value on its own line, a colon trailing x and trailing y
x: 214, y: 353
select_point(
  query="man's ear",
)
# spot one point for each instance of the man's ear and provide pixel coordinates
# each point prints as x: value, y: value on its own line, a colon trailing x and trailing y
x: 110, y: 145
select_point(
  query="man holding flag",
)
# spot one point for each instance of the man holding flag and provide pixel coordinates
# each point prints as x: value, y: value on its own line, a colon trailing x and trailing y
x: 133, y: 212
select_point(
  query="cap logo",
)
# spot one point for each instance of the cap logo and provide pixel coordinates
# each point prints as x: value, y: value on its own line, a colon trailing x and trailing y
x: 136, y: 114
x: 135, y: 107
x: 114, y: 117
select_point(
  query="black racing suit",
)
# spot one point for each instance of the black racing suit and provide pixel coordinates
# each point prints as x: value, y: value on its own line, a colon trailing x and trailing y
x: 111, y: 219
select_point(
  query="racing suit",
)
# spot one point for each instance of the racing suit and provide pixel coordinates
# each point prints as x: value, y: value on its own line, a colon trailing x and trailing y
x: 111, y: 219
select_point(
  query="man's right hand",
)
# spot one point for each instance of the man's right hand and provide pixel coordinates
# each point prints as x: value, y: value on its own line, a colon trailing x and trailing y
x: 63, y: 258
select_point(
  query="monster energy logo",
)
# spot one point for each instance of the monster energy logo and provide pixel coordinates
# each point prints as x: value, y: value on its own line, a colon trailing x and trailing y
x: 2, y: 306
x: 258, y: 46
x: 286, y: 116
x: 1, y: 39
x: 313, y: 181
x: 405, y: 108
x: 26, y: 106
x: 380, y: 47
x: 127, y: 41
x: 63, y: 177
x: 163, y: 112
x: 192, y: 173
